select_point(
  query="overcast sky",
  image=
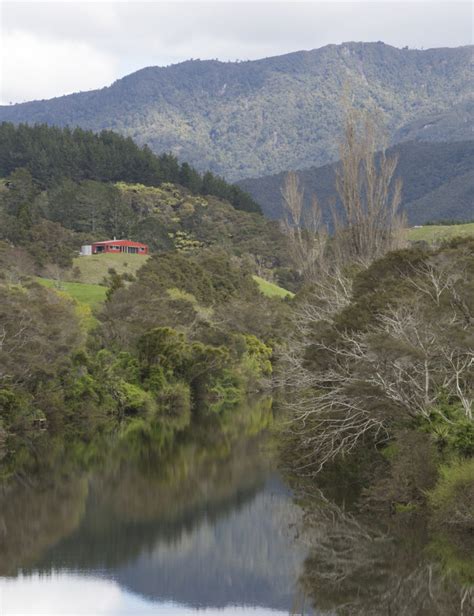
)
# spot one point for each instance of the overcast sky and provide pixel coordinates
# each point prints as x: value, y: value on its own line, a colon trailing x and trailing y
x: 53, y: 48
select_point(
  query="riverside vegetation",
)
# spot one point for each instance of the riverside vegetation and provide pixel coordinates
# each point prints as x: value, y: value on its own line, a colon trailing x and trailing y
x: 379, y: 368
x: 370, y: 342
x: 138, y: 354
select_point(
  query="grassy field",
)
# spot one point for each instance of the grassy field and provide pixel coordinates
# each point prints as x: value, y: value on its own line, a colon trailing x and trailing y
x: 271, y: 289
x: 433, y: 233
x: 89, y: 294
x: 95, y: 267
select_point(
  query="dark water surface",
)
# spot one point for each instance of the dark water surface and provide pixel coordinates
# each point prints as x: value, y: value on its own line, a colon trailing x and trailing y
x: 207, y: 528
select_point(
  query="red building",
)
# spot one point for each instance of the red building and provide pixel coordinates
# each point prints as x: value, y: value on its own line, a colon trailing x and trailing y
x: 117, y: 246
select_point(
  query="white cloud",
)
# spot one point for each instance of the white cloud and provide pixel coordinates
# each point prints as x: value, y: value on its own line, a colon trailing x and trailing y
x: 34, y: 67
x: 50, y: 48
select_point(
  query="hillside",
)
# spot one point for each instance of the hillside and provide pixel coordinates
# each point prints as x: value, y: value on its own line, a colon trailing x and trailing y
x: 438, y: 183
x: 454, y: 124
x: 245, y: 119
x: 54, y: 223
x: 90, y: 294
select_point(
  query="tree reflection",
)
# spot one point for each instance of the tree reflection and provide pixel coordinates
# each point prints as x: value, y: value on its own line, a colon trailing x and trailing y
x: 34, y: 518
x: 357, y: 567
x: 204, y: 525
x: 124, y: 503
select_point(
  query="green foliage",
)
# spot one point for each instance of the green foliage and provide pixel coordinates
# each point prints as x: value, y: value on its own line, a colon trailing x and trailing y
x: 225, y: 391
x: 452, y: 431
x: 168, y: 217
x: 175, y: 405
x: 39, y: 330
x: 137, y: 354
x: 116, y: 282
x: 134, y: 400
x: 165, y: 348
x: 256, y: 360
x: 49, y: 242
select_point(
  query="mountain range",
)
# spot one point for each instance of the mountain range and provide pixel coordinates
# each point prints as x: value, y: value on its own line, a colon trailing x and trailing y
x: 254, y: 118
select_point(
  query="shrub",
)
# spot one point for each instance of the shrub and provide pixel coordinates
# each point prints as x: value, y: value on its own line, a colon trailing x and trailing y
x: 134, y: 400
x: 225, y: 391
x: 452, y: 499
x: 456, y: 555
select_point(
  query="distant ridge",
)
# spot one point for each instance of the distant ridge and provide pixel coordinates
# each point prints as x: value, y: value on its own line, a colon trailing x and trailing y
x: 243, y: 119
x: 438, y: 183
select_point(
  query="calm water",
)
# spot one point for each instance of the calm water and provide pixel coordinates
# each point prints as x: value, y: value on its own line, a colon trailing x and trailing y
x: 209, y: 528
x: 235, y: 555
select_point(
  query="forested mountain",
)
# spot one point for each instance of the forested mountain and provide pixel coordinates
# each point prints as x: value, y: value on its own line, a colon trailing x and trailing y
x: 244, y: 119
x: 438, y: 183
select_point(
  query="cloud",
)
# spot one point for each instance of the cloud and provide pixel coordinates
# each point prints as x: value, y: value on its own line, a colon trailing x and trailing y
x: 114, y: 38
x: 34, y: 67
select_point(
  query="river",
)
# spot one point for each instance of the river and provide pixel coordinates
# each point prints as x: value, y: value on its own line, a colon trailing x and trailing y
x: 207, y: 528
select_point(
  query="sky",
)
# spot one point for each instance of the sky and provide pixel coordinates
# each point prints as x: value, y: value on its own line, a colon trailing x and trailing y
x: 52, y: 48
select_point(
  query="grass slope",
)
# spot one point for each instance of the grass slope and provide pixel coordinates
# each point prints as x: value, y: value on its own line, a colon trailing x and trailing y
x: 94, y: 268
x: 89, y: 294
x: 271, y: 289
x: 433, y: 233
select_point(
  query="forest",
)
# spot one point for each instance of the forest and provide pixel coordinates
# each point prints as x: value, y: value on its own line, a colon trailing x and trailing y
x: 52, y: 154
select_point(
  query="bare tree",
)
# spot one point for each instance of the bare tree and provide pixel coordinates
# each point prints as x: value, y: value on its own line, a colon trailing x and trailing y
x: 362, y: 381
x: 370, y: 223
x: 307, y: 235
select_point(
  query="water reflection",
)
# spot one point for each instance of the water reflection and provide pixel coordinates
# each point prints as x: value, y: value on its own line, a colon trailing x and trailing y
x: 207, y: 527
x: 74, y: 595
x: 358, y: 566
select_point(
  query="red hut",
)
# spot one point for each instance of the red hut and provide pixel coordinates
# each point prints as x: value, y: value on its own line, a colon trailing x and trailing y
x: 118, y: 246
